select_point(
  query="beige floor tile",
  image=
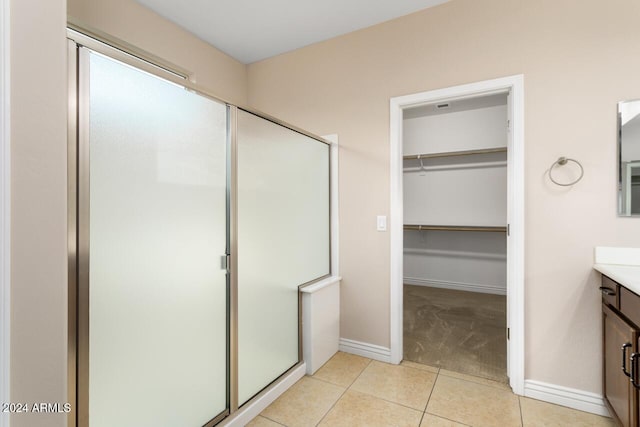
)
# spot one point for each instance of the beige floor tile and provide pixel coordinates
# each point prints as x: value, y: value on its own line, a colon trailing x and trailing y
x: 399, y: 384
x: 474, y: 404
x: 262, y: 422
x: 542, y: 414
x: 474, y: 379
x: 432, y: 421
x: 342, y: 369
x: 304, y: 404
x: 356, y: 409
x: 410, y: 364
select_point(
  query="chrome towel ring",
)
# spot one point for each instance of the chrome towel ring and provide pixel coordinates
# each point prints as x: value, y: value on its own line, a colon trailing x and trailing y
x: 561, y: 162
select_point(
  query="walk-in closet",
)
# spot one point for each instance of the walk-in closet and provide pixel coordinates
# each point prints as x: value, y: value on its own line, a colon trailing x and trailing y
x: 455, y: 235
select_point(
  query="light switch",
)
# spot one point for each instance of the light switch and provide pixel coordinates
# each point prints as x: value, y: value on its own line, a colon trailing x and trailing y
x: 382, y: 223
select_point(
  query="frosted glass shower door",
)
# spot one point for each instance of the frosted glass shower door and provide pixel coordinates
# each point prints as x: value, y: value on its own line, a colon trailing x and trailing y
x: 283, y: 242
x: 157, y: 228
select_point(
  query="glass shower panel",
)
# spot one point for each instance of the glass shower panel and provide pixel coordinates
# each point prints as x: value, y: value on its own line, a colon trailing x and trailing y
x: 157, y: 225
x: 283, y: 242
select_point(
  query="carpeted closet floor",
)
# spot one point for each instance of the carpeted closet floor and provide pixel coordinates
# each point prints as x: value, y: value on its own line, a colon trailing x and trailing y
x: 455, y: 330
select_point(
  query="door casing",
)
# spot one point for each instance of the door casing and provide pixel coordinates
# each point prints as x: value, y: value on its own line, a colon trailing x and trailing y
x: 514, y: 86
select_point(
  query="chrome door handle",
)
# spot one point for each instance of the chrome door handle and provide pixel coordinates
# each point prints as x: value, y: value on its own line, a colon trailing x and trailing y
x: 225, y: 262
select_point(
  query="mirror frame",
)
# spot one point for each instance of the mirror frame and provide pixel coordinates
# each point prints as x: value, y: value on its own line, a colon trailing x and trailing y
x: 621, y: 190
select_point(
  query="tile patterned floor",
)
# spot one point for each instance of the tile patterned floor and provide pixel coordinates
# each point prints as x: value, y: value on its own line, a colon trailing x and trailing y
x: 355, y: 391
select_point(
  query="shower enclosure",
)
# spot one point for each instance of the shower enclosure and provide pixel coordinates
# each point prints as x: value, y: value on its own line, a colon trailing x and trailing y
x: 192, y: 225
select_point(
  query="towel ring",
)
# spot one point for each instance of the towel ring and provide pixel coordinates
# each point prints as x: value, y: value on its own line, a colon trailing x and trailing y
x: 561, y: 162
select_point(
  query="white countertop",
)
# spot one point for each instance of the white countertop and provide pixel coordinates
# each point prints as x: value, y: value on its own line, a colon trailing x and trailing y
x: 627, y: 275
x: 621, y: 265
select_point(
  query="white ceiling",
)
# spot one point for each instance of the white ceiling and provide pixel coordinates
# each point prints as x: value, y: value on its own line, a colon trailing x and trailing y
x: 251, y: 30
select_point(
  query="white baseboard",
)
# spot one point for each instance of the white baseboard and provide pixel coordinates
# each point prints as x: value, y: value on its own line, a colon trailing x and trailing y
x: 445, y: 284
x: 372, y: 351
x: 259, y: 404
x: 565, y: 396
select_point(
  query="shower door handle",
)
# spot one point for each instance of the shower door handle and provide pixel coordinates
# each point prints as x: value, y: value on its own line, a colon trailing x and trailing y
x: 225, y: 262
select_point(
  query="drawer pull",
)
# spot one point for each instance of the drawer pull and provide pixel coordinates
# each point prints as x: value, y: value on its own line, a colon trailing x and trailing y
x: 625, y: 346
x: 634, y: 358
x: 607, y: 291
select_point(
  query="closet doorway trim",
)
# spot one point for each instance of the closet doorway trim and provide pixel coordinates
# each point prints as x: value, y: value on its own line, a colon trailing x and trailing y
x: 514, y: 85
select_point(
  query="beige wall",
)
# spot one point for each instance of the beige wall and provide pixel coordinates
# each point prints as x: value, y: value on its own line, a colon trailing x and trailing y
x: 127, y: 20
x: 38, y: 207
x: 578, y: 59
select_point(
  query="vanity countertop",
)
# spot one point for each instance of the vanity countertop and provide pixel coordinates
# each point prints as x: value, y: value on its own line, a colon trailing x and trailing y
x: 621, y: 265
x: 627, y: 275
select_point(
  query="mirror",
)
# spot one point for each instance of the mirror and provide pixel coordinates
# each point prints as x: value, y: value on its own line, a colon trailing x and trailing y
x: 629, y: 158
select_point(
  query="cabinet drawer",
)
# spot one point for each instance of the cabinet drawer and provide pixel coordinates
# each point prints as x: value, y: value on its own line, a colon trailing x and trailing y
x: 630, y: 305
x: 610, y: 291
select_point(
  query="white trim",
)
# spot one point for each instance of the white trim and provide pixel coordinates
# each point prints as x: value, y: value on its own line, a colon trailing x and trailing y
x: 335, y: 204
x: 514, y: 85
x: 320, y: 323
x: 253, y: 408
x: 457, y: 286
x: 565, y: 396
x: 364, y: 349
x: 5, y: 210
x: 319, y: 285
x: 396, y: 230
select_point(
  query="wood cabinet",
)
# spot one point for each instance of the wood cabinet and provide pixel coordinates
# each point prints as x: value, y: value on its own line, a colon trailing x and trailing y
x: 621, y: 329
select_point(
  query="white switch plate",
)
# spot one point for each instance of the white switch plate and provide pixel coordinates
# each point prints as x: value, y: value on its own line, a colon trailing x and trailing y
x: 382, y: 223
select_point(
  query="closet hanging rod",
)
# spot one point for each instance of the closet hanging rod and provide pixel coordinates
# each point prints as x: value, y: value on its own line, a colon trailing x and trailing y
x: 456, y: 153
x: 454, y: 228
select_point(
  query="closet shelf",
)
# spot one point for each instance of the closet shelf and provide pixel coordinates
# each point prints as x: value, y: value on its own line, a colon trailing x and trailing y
x: 456, y: 153
x: 454, y: 228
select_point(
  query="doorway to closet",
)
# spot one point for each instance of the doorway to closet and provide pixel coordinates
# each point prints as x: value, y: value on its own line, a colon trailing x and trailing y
x: 455, y: 243
x: 457, y: 220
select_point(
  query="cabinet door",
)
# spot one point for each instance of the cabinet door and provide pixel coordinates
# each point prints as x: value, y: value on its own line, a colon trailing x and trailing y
x: 618, y: 390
